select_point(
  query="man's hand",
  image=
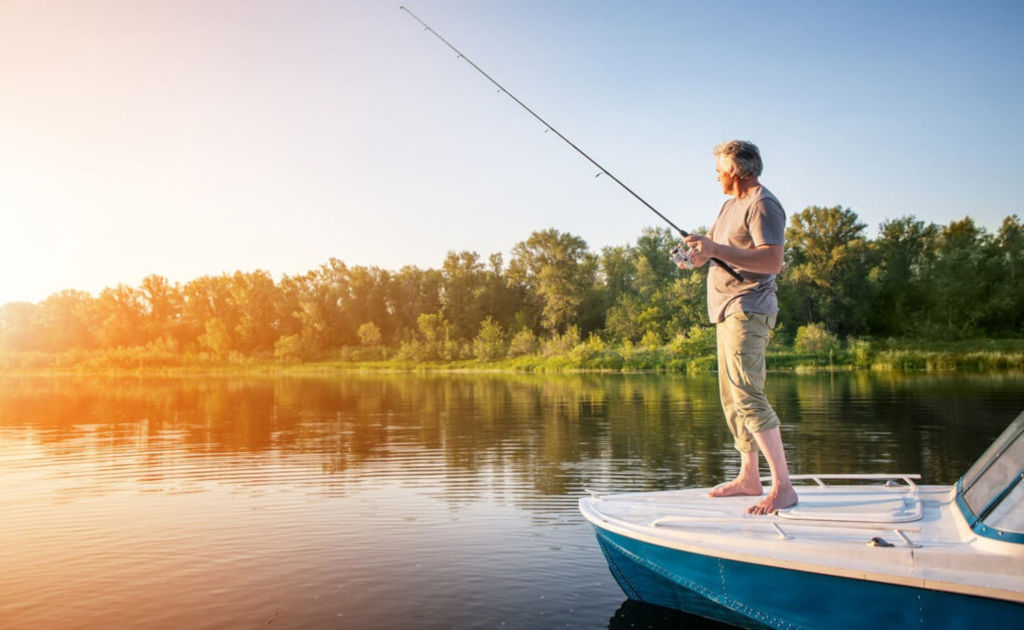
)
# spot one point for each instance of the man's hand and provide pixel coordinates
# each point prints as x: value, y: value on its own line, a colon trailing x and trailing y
x: 760, y: 259
x: 702, y: 249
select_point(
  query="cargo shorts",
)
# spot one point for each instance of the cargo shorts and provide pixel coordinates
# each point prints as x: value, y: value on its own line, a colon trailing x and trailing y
x: 742, y: 341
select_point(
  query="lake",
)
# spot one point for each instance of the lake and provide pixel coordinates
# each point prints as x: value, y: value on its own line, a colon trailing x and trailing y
x: 401, y: 501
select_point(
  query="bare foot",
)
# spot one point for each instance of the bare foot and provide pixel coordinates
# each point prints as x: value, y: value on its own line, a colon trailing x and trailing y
x: 738, y: 486
x: 777, y: 499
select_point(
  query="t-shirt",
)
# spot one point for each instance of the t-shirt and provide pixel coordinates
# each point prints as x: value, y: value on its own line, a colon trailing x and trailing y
x: 756, y: 219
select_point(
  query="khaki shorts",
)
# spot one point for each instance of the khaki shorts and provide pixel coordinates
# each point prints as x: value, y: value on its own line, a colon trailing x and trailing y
x: 742, y: 340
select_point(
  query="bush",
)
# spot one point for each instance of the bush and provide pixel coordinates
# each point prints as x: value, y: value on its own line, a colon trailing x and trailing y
x: 862, y: 352
x: 561, y: 345
x: 489, y: 344
x: 523, y: 343
x: 369, y: 334
x: 588, y: 350
x: 698, y: 341
x: 290, y: 348
x: 814, y: 339
x: 650, y: 340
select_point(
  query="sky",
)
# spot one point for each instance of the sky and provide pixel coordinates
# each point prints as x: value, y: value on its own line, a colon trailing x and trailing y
x: 185, y: 138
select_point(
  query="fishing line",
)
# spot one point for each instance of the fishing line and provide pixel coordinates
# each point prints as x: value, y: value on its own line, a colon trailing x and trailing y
x: 548, y: 127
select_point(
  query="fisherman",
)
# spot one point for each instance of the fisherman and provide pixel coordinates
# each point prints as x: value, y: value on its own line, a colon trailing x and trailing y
x: 748, y: 235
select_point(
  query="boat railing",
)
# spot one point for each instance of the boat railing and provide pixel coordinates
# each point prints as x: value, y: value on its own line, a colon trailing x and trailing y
x: 664, y: 521
x: 908, y: 479
x: 820, y: 479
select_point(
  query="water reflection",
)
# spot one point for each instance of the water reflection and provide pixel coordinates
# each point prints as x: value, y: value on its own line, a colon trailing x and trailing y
x: 326, y: 488
x: 540, y: 427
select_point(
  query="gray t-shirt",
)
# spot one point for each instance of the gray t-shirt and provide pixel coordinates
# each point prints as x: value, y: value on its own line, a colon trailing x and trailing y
x: 757, y: 219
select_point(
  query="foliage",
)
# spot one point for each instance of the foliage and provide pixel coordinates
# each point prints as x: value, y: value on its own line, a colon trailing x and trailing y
x: 489, y: 344
x: 813, y: 338
x: 559, y: 271
x: 523, y: 343
x: 561, y: 344
x: 916, y: 281
x: 825, y: 257
x: 697, y: 341
x: 369, y: 334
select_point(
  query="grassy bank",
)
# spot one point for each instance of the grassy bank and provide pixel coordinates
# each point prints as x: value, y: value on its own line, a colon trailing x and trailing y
x: 980, y: 355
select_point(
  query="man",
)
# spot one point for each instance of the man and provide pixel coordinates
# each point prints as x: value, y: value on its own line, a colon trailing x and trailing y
x: 748, y: 235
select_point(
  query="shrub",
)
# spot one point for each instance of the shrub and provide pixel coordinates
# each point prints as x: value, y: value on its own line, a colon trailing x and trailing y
x: 489, y: 343
x: 523, y: 343
x: 814, y: 339
x: 290, y: 348
x: 561, y: 345
x: 588, y: 350
x: 435, y: 342
x: 369, y: 334
x: 862, y: 352
x: 698, y: 341
x: 650, y: 340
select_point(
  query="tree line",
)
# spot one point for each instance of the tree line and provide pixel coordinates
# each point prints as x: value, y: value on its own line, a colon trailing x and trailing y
x: 914, y: 280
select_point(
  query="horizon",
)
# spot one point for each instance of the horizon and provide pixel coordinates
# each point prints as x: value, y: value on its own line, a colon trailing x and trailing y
x: 191, y: 139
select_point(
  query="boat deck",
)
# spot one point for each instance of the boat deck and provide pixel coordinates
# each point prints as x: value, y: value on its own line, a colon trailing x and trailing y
x: 878, y: 527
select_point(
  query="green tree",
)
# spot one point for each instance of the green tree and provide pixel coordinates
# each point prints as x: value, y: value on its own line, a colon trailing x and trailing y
x: 365, y: 300
x: 490, y: 344
x: 413, y: 291
x: 314, y: 302
x: 559, y: 270
x: 904, y: 250
x: 68, y: 320
x: 650, y: 293
x: 217, y: 338
x: 824, y: 278
x: 207, y: 298
x: 254, y: 297
x: 463, y: 290
x: 164, y: 306
x: 1007, y: 316
x: 962, y: 277
x: 121, y: 314
x: 370, y: 335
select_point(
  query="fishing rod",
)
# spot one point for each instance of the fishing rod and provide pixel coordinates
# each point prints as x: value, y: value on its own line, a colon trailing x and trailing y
x: 501, y: 88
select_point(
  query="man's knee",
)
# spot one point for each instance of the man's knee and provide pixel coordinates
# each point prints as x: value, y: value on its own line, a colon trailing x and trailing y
x: 764, y: 420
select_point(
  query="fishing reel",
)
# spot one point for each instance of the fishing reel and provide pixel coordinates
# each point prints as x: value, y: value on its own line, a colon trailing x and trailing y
x: 680, y: 255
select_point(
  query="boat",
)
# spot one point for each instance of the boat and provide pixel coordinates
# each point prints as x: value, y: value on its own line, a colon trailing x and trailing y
x: 857, y: 551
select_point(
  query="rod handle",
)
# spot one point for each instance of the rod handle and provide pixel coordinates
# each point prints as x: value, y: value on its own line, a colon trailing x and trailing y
x: 732, y: 272
x: 718, y: 261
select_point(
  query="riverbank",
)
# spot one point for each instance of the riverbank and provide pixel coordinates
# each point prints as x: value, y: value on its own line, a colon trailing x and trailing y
x: 979, y: 355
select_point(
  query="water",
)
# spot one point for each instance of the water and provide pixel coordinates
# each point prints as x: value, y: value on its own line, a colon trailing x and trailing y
x: 394, y: 501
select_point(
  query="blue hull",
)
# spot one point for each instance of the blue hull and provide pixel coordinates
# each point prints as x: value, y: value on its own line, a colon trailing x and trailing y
x: 757, y: 596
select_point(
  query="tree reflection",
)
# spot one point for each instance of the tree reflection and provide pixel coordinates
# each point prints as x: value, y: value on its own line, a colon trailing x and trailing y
x: 517, y: 436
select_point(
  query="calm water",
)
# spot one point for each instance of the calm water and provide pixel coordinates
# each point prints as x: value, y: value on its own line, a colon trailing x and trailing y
x: 399, y: 501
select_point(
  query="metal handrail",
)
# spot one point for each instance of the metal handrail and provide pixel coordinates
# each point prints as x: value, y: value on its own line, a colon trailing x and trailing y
x: 751, y: 520
x: 820, y: 479
x: 775, y: 525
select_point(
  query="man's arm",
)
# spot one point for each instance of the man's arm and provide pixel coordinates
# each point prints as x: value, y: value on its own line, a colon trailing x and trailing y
x: 762, y: 259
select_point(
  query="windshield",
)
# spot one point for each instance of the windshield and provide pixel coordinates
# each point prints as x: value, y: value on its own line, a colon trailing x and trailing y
x: 992, y: 488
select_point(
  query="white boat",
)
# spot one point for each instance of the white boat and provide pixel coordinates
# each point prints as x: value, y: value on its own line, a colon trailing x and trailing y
x: 858, y: 551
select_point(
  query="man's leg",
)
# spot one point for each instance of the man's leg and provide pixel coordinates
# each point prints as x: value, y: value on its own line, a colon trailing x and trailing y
x: 782, y: 494
x: 747, y: 482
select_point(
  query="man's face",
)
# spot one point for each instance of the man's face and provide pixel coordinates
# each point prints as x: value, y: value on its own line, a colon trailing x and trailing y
x: 725, y: 176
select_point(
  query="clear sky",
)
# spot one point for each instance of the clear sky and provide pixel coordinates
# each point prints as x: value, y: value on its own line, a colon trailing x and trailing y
x: 187, y: 137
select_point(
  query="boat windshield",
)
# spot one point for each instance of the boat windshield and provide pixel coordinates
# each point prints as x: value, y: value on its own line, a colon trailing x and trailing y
x: 993, y: 491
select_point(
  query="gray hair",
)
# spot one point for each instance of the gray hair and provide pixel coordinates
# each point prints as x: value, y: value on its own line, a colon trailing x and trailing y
x: 744, y: 157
